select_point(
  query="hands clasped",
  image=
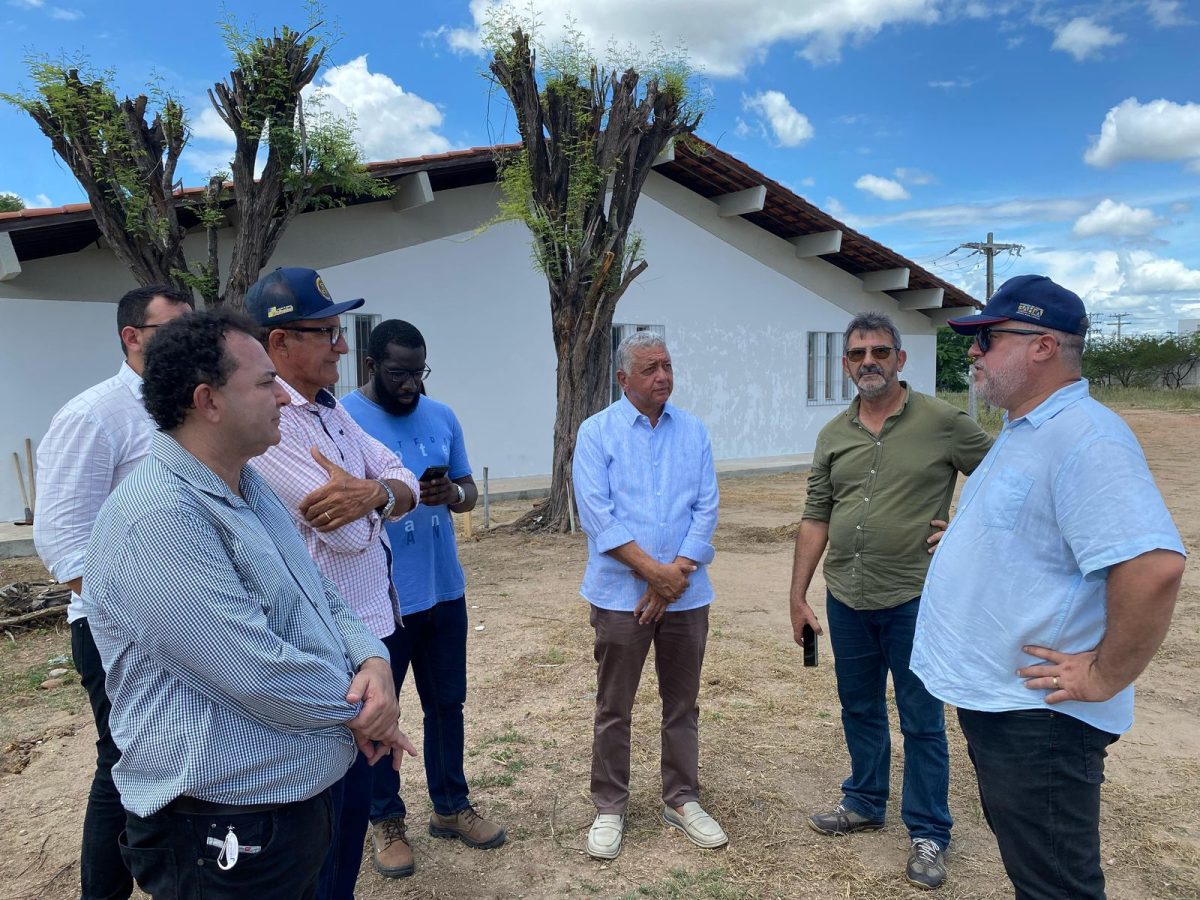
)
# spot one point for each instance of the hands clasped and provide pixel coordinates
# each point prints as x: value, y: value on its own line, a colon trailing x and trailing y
x: 665, y: 583
x: 375, y: 728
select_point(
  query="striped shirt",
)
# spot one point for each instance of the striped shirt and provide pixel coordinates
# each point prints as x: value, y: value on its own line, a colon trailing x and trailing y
x: 656, y: 486
x: 92, y: 444
x: 355, y: 557
x: 228, y: 656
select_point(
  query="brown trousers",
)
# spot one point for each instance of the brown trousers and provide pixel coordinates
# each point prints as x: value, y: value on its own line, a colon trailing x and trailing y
x: 621, y: 648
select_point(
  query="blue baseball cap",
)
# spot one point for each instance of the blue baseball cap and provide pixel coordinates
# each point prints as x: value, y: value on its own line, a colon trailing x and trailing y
x: 287, y: 295
x: 1029, y: 298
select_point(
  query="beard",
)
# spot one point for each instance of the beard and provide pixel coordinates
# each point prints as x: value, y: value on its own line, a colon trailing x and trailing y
x: 999, y: 386
x: 873, y: 390
x: 390, y: 404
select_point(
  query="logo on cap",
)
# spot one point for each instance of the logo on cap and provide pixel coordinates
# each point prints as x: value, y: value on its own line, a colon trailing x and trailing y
x: 322, y: 290
x: 1028, y: 309
x: 279, y: 311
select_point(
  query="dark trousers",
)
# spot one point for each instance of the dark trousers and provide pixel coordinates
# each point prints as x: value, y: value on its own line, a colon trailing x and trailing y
x: 867, y: 644
x: 621, y: 647
x: 103, y: 875
x: 349, y: 802
x: 1039, y: 775
x: 434, y: 643
x: 173, y: 855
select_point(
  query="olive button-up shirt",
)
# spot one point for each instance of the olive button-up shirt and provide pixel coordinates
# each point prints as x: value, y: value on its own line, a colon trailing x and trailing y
x: 879, y: 492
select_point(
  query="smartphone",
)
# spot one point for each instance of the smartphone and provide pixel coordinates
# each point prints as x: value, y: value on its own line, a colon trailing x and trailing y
x: 434, y: 472
x: 809, y: 639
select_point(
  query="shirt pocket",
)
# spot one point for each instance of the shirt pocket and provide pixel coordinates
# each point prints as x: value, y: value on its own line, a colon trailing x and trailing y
x: 1004, y: 497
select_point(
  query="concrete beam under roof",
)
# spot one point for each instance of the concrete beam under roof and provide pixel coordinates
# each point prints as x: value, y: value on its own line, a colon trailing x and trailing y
x: 818, y: 244
x: 741, y: 202
x: 940, y: 317
x: 412, y: 191
x: 10, y: 266
x: 667, y: 155
x: 885, y: 280
x: 921, y: 298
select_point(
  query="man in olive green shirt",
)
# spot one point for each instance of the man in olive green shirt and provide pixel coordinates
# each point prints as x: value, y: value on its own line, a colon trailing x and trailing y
x: 882, y: 478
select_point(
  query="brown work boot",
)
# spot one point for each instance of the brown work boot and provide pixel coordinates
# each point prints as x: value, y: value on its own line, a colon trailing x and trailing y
x: 393, y: 853
x: 469, y: 827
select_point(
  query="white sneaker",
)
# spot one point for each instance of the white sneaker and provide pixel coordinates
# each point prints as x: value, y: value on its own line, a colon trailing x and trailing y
x: 604, y: 837
x: 701, y: 828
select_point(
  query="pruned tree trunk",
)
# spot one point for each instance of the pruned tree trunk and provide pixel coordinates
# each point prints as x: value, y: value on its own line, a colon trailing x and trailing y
x: 589, y: 149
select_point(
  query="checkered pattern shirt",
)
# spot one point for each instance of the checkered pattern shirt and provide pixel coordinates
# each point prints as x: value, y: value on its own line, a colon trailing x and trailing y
x: 355, y: 557
x: 93, y: 443
x: 228, y: 656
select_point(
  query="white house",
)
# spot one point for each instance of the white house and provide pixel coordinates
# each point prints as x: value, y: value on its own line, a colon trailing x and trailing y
x: 751, y: 284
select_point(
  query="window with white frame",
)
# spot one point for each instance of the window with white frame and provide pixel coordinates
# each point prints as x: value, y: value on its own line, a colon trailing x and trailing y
x: 827, y: 381
x: 352, y: 368
x: 619, y: 333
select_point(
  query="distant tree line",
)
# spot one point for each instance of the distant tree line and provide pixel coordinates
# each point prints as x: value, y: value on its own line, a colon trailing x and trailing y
x: 1141, y: 360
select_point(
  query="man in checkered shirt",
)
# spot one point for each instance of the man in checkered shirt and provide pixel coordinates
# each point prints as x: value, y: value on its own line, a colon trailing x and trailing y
x: 341, y: 486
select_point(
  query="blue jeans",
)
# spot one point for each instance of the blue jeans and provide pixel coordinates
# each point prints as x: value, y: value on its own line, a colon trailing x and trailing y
x: 103, y: 874
x: 1039, y: 775
x: 434, y: 642
x: 867, y: 644
x: 349, y: 801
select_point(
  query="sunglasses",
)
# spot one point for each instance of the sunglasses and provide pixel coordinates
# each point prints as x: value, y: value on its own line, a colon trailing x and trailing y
x: 983, y: 337
x: 858, y: 354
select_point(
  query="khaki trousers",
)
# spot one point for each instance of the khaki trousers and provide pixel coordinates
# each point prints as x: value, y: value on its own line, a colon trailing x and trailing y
x: 621, y: 648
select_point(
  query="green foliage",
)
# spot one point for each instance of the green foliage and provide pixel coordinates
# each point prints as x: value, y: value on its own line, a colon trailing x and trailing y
x: 680, y: 884
x: 1144, y: 360
x: 951, y: 361
x: 11, y: 203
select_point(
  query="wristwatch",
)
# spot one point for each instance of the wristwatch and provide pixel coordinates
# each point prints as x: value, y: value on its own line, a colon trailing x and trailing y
x: 390, y: 503
x: 462, y: 495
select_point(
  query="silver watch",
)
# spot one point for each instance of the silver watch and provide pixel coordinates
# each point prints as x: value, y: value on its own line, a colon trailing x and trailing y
x: 462, y: 495
x: 390, y: 503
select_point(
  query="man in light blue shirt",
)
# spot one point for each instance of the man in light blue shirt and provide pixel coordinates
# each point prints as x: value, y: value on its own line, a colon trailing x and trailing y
x: 240, y: 682
x: 646, y: 490
x: 1050, y: 592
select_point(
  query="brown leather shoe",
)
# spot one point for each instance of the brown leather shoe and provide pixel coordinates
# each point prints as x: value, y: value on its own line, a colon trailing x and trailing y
x: 469, y: 827
x: 393, y: 853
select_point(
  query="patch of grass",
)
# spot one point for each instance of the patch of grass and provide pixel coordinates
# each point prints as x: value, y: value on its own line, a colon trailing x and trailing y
x: 508, y: 736
x: 709, y: 884
x: 555, y: 656
x: 493, y: 779
x: 1146, y: 398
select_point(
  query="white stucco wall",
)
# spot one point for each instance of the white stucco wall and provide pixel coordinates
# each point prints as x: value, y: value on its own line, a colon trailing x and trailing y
x: 735, y: 301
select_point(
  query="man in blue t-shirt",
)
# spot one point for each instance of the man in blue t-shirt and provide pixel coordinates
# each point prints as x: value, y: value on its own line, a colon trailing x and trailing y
x: 392, y: 407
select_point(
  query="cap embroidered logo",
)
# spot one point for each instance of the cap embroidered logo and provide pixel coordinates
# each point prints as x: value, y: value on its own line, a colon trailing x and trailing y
x: 1027, y: 309
x: 279, y: 311
x: 322, y: 290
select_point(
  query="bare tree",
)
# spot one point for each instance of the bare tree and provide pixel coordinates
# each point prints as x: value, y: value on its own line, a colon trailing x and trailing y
x: 589, y: 138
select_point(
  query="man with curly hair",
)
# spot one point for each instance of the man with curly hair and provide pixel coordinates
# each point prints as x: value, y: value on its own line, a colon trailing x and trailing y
x: 242, y: 686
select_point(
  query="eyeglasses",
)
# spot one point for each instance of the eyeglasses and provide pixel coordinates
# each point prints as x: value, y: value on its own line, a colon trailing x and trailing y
x: 333, y: 331
x: 858, y: 354
x: 983, y: 337
x: 399, y: 376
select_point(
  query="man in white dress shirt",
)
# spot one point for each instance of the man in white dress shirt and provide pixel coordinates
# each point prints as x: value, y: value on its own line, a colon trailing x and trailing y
x: 92, y: 444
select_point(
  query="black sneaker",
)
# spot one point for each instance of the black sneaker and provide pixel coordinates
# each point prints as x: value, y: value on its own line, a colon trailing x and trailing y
x: 840, y: 820
x: 926, y: 864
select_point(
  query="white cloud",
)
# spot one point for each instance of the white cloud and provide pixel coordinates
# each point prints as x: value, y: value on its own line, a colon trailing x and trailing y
x: 790, y: 126
x: 1149, y: 274
x: 37, y: 201
x: 1158, y: 130
x: 1166, y: 13
x: 722, y: 37
x: 1005, y: 212
x: 1084, y: 39
x: 1113, y: 219
x: 952, y: 84
x: 391, y: 122
x: 913, y: 176
x: 27, y: 4
x: 65, y: 15
x: 883, y: 188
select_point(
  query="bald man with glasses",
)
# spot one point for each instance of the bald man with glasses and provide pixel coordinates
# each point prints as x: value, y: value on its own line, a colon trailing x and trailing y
x: 879, y: 493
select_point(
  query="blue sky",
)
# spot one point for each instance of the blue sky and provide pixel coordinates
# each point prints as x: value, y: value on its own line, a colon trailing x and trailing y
x: 1070, y: 128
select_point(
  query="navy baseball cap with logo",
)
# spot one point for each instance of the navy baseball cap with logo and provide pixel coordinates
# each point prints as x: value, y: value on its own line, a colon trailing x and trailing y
x: 287, y: 295
x: 1029, y: 298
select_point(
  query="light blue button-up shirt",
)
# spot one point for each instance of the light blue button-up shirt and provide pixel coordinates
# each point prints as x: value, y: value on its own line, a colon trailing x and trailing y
x: 228, y: 656
x: 1063, y: 495
x: 656, y: 486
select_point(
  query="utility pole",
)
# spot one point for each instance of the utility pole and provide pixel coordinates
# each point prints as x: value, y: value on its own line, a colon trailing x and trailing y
x: 989, y: 249
x: 1119, y: 318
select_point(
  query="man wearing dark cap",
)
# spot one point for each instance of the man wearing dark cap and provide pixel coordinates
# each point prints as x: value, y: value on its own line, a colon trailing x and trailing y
x: 341, y: 486
x: 1050, y: 592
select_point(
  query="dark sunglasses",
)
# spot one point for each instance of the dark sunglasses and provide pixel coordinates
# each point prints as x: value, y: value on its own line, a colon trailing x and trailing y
x: 858, y: 354
x: 983, y: 337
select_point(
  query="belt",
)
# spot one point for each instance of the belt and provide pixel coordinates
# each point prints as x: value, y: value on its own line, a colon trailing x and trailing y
x: 194, y: 806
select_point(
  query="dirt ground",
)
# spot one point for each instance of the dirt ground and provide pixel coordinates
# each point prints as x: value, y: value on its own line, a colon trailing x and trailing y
x: 771, y: 743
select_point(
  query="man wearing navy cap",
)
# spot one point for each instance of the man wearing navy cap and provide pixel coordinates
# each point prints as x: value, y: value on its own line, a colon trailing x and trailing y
x: 1050, y: 592
x: 341, y: 486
